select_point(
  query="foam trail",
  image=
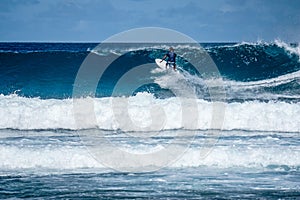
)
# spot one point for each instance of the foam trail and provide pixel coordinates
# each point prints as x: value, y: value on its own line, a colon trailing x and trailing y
x: 267, y: 82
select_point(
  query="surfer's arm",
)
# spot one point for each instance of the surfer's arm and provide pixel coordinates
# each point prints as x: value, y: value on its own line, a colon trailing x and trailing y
x: 165, y: 56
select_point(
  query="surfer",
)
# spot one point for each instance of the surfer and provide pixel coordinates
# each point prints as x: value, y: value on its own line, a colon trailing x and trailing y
x: 171, y: 58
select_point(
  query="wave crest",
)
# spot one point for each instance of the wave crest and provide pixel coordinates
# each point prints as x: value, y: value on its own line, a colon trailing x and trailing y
x: 33, y: 113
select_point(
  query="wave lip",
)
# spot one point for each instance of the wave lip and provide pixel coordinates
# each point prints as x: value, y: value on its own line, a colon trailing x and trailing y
x: 291, y: 49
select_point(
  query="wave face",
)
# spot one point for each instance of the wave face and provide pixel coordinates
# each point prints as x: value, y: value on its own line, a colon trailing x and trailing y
x: 250, y: 71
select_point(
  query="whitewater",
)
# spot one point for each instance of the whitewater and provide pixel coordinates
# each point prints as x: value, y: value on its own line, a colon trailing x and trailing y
x: 34, y: 113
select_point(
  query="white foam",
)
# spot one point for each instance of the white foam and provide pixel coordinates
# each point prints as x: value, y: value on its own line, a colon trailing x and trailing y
x: 267, y: 82
x: 34, y: 113
x: 233, y: 156
x: 55, y: 158
x: 289, y: 48
x: 71, y: 157
x: 180, y: 48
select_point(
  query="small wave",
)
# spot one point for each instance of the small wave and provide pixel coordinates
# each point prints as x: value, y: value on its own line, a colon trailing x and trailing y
x: 28, y: 52
x: 74, y: 155
x: 36, y: 47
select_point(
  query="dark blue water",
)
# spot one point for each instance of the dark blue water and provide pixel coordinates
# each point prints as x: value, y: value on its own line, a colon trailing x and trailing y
x: 160, y: 185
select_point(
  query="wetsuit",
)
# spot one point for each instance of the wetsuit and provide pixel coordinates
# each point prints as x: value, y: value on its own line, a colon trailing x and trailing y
x: 171, y: 58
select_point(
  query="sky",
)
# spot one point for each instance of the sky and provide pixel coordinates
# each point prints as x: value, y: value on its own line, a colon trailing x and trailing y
x: 202, y: 20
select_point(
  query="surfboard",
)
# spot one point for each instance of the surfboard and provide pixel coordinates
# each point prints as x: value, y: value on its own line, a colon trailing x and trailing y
x: 161, y: 64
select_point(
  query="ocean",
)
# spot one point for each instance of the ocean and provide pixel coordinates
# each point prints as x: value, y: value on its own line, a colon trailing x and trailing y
x: 83, y: 122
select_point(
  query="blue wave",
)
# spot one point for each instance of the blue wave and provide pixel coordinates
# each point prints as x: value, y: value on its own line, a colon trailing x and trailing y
x: 249, y: 62
x: 48, y: 70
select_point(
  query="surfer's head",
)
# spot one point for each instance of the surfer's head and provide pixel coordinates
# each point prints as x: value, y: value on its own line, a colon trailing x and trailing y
x: 171, y: 49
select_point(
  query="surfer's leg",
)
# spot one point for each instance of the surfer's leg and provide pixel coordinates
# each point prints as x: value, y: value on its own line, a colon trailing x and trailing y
x: 172, y: 64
